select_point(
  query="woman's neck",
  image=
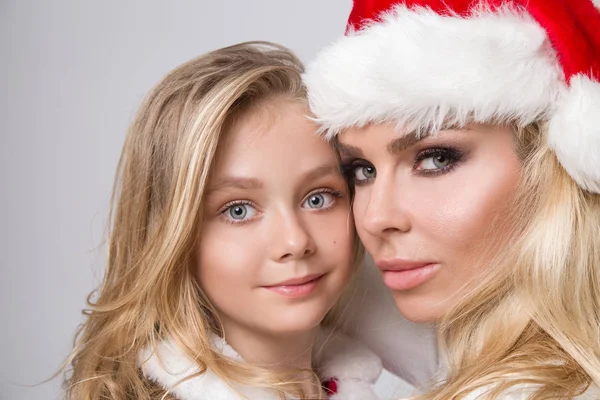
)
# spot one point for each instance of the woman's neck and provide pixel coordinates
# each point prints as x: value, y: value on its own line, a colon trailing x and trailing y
x: 277, y: 352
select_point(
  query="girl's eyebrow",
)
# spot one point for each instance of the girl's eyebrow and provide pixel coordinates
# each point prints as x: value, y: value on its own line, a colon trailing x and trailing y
x: 319, y: 171
x: 234, y: 182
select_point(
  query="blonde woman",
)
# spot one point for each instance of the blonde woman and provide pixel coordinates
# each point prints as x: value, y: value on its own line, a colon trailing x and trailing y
x: 470, y: 131
x: 231, y: 240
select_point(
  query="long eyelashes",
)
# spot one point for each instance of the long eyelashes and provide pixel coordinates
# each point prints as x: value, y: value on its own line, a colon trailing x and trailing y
x: 240, y: 212
x: 246, y: 205
x: 358, y: 172
x: 427, y: 163
x: 334, y: 194
x: 437, y: 160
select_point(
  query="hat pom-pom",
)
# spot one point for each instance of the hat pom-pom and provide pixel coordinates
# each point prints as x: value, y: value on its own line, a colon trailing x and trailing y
x: 574, y: 132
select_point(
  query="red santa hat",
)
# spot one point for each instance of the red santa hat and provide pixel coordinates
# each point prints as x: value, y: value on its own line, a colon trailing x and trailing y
x: 425, y: 64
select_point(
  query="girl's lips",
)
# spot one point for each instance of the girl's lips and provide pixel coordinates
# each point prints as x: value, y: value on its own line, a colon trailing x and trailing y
x: 299, y: 287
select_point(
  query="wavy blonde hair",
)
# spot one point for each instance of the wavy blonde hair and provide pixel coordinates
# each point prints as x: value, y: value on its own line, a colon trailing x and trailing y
x: 148, y: 291
x: 532, y: 322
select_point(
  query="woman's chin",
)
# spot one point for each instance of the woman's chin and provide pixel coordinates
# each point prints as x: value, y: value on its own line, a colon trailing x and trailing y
x: 417, y: 309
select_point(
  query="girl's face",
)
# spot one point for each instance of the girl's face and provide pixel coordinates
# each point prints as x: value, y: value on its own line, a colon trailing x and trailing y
x: 431, y: 212
x: 277, y: 237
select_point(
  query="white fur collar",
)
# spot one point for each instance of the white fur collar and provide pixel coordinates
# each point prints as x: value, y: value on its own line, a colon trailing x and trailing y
x: 354, y: 367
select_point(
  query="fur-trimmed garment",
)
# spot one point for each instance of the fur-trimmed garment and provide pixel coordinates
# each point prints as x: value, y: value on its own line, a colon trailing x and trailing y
x: 351, y: 365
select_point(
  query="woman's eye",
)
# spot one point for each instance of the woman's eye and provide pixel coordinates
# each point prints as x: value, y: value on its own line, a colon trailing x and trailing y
x: 364, y: 173
x: 239, y: 212
x: 320, y: 201
x: 437, y: 160
x: 358, y: 172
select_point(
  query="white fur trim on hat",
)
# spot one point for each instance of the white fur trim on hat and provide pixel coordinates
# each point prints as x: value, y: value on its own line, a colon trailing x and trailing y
x: 424, y: 70
x: 574, y: 132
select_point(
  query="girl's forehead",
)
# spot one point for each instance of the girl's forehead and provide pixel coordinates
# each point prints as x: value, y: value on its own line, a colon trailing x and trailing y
x: 281, y: 126
x: 276, y: 141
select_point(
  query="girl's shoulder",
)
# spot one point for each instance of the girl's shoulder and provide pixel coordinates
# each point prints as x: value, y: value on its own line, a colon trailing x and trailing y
x: 347, y: 368
x: 169, y: 367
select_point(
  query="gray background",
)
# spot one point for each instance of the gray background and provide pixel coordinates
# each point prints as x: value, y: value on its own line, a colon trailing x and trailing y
x: 72, y: 74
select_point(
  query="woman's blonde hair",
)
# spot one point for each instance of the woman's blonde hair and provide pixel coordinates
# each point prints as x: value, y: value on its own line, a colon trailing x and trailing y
x: 532, y: 321
x: 149, y: 292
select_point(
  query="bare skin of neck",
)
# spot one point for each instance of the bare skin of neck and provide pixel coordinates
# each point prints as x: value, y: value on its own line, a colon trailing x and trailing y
x: 291, y: 352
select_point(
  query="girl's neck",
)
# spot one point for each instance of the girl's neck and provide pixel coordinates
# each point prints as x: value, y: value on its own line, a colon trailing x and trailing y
x: 291, y: 352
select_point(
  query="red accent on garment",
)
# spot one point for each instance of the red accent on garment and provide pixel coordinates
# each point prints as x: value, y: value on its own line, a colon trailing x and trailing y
x: 330, y: 386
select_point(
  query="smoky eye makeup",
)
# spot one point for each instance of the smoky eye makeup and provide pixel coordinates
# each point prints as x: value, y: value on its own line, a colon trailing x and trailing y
x: 430, y: 161
x: 437, y: 160
x: 427, y: 157
x: 358, y: 172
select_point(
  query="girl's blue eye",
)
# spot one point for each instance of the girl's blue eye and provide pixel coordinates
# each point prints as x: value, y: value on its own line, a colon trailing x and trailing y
x: 321, y: 200
x: 316, y: 201
x: 239, y: 212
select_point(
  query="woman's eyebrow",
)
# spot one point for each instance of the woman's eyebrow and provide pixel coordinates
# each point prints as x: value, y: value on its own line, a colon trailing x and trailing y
x: 404, y: 142
x: 347, y: 150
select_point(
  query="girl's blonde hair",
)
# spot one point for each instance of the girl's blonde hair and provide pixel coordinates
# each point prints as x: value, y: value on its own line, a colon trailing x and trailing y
x: 148, y: 291
x: 532, y: 322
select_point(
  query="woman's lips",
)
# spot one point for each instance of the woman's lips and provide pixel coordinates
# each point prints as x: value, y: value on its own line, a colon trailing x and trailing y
x: 401, y: 274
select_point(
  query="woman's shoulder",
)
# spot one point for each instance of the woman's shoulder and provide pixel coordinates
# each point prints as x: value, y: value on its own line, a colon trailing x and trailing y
x: 524, y: 392
x: 520, y: 392
x: 348, y: 368
x: 592, y: 393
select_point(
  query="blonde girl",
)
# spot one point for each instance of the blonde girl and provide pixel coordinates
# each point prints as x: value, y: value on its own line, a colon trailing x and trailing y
x: 230, y: 240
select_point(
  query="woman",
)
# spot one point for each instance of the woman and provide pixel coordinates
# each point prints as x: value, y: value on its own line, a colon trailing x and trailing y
x: 471, y: 133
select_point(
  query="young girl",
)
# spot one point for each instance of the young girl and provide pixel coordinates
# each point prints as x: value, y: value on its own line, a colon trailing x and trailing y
x: 231, y: 240
x: 471, y: 132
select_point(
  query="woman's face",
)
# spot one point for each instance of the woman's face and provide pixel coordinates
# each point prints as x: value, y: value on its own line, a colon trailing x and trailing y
x: 277, y: 237
x: 431, y: 212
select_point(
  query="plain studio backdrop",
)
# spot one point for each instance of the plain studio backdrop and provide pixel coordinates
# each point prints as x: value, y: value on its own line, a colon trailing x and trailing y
x: 72, y: 74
